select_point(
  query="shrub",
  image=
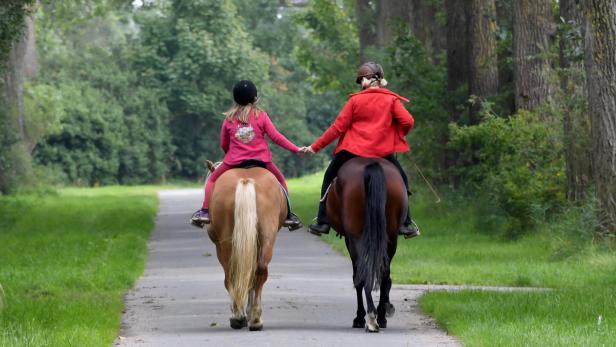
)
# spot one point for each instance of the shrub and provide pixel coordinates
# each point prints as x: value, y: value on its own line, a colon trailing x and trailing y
x: 516, y: 163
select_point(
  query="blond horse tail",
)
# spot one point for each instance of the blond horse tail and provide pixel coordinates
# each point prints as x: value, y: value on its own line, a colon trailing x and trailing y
x: 244, y: 252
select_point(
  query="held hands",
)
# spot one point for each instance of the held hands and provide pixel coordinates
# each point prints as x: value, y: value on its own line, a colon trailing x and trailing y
x: 305, y: 150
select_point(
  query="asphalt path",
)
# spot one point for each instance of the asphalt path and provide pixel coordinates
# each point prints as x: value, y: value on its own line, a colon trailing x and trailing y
x: 308, y: 299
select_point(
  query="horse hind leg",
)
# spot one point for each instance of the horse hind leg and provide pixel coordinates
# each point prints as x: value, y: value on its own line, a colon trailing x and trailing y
x: 359, y: 321
x: 267, y: 247
x: 385, y: 308
x: 255, y: 323
x: 238, y: 319
x: 372, y: 326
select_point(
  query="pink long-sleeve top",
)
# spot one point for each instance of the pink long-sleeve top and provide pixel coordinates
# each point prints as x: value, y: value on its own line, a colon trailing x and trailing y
x: 243, y: 141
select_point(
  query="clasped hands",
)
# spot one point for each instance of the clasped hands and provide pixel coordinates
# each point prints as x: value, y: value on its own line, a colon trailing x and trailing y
x: 305, y: 150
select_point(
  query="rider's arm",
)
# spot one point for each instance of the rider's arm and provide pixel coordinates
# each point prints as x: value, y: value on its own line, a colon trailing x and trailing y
x: 339, y: 127
x: 276, y: 136
x: 402, y: 116
x: 224, y: 137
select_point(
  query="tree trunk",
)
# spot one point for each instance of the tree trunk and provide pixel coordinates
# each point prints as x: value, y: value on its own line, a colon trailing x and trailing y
x: 576, y: 121
x: 15, y: 149
x: 504, y: 56
x: 420, y: 16
x: 532, y: 28
x: 390, y: 13
x: 457, y: 53
x: 22, y: 64
x: 600, y: 41
x: 482, y: 59
x: 366, y: 27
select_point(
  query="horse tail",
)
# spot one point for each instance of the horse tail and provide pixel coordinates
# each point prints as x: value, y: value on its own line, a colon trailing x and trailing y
x: 372, y: 251
x: 244, y: 243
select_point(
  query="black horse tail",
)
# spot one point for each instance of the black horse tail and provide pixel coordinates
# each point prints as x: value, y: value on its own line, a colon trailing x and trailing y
x: 372, y: 258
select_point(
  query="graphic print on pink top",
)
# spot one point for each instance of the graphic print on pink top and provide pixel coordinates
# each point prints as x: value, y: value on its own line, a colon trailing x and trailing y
x: 243, y: 141
x: 244, y: 133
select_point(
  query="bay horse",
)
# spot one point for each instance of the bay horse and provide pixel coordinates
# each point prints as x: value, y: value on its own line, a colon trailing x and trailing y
x: 366, y: 204
x: 247, y: 209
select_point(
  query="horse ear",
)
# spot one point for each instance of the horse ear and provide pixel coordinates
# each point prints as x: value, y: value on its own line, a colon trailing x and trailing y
x: 210, y: 165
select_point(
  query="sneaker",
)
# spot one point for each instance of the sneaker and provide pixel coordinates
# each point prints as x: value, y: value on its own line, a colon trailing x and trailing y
x: 200, y: 218
x: 292, y: 222
x: 409, y: 231
x: 319, y: 228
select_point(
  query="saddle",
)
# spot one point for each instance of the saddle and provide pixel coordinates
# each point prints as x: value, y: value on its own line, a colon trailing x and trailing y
x: 250, y: 163
x: 247, y: 164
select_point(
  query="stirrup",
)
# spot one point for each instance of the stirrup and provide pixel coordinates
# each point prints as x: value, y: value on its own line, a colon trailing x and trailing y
x: 292, y: 222
x: 200, y: 218
x: 409, y: 231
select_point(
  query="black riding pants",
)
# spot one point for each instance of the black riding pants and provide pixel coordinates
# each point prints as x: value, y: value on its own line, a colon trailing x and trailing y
x: 332, y: 171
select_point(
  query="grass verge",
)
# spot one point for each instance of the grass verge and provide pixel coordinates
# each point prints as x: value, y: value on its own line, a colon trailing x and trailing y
x: 66, y: 259
x: 580, y: 311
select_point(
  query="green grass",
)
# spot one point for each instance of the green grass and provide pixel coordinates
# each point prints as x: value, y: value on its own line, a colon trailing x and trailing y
x: 452, y: 251
x: 66, y: 259
x: 564, y: 317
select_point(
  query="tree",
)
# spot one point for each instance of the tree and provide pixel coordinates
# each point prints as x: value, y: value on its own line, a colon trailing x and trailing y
x: 426, y: 24
x: 197, y: 50
x: 457, y: 53
x: 576, y: 121
x: 366, y: 12
x: 330, y: 51
x: 17, y: 62
x: 532, y: 28
x: 22, y: 64
x: 378, y: 21
x: 600, y: 40
x: 482, y: 59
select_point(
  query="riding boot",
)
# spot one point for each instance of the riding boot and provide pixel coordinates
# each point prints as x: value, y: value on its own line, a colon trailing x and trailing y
x: 321, y: 226
x: 292, y: 222
x: 409, y: 228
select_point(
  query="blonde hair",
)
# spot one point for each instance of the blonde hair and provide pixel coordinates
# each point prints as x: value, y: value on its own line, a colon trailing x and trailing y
x: 373, y: 83
x: 242, y: 112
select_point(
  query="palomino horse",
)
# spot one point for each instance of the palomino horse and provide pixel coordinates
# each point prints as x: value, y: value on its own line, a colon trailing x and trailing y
x: 366, y: 204
x: 247, y: 209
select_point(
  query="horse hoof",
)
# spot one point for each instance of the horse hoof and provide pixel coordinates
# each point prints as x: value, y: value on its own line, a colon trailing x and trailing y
x: 374, y: 329
x: 359, y: 323
x: 389, y: 310
x: 371, y: 325
x: 256, y: 327
x: 382, y: 323
x: 238, y: 323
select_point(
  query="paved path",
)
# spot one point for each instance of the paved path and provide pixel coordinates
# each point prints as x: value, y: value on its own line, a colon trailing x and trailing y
x: 308, y: 299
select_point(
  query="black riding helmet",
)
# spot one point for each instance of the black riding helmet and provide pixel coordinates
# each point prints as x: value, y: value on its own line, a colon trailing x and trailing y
x: 244, y: 92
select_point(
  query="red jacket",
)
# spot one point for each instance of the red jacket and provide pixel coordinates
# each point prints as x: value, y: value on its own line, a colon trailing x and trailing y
x: 373, y: 123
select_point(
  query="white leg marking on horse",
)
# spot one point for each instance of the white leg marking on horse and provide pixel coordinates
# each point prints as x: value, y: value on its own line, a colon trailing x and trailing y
x: 371, y: 325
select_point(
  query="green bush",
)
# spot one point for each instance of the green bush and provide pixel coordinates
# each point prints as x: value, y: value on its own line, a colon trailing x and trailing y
x: 516, y: 163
